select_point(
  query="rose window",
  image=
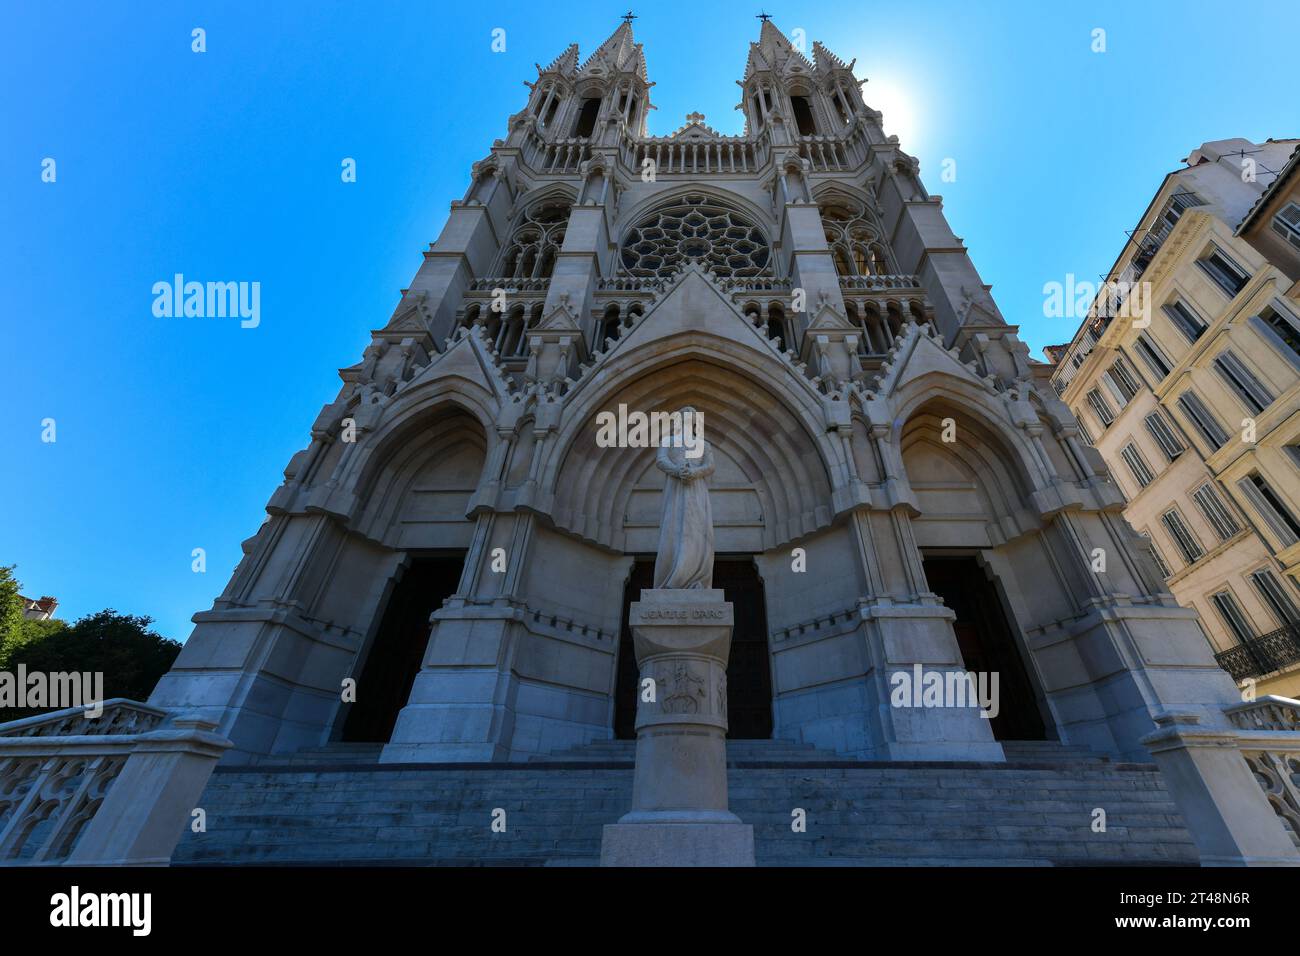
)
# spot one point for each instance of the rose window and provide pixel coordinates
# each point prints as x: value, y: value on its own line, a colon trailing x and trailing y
x: 696, y: 229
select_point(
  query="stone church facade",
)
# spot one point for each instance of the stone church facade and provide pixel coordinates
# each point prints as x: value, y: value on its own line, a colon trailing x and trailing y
x: 897, y: 484
x: 425, y: 654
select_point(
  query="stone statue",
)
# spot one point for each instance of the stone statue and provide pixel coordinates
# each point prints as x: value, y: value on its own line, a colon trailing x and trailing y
x: 685, y: 558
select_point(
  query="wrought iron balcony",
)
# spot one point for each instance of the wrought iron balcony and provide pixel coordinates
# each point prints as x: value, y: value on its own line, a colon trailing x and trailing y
x: 1263, y: 655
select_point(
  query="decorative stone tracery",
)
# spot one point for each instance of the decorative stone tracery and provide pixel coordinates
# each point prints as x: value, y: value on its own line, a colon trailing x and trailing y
x: 696, y: 228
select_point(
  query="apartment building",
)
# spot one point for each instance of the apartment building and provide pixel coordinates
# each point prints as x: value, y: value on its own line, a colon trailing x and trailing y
x: 1185, y: 376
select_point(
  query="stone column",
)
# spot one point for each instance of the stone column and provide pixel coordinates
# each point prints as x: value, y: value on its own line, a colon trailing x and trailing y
x: 679, y: 813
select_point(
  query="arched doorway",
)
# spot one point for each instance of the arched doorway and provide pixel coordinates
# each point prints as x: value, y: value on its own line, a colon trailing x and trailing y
x: 749, y: 674
x: 987, y: 642
x: 417, y: 499
x: 969, y: 488
x: 395, y: 654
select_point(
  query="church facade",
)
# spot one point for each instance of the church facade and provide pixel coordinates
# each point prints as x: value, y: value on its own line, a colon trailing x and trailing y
x: 897, y: 485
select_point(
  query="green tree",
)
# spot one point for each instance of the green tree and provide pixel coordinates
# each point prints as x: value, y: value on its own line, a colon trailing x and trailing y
x: 122, y: 647
x: 11, y: 614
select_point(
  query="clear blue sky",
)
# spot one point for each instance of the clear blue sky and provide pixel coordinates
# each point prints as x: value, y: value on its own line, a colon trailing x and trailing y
x: 172, y: 433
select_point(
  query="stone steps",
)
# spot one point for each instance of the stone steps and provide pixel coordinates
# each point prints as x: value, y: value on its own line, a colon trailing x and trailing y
x: 786, y: 751
x: 865, y: 814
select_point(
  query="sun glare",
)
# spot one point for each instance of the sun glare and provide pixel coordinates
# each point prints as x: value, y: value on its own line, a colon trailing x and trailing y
x: 894, y: 100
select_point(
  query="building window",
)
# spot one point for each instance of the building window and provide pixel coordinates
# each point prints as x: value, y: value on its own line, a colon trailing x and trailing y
x: 1083, y: 428
x: 1099, y: 405
x: 1293, y: 452
x: 1225, y: 273
x: 1169, y: 216
x: 1154, y: 358
x: 585, y: 124
x: 1271, y: 508
x: 1136, y: 464
x: 1287, y: 224
x: 840, y: 108
x: 1200, y: 416
x: 1275, y: 596
x: 1283, y: 326
x: 855, y: 241
x: 1124, y: 380
x: 1164, y: 435
x: 1185, y: 320
x: 1219, y: 517
x: 1112, y: 387
x: 1242, y: 381
x: 803, y: 115
x: 1182, y: 535
x: 536, y: 243
x: 1155, y: 553
x: 1226, y: 604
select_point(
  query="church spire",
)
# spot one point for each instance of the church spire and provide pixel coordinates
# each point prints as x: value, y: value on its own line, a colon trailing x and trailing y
x: 772, y: 51
x: 618, y: 54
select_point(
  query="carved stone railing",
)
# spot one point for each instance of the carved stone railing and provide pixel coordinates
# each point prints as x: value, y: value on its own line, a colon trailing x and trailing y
x: 1238, y: 787
x: 511, y: 285
x: 116, y: 789
x: 1266, y: 713
x: 1270, y: 744
x: 561, y: 155
x: 716, y: 156
x: 756, y: 284
x: 879, y: 283
x: 120, y: 716
x: 630, y: 284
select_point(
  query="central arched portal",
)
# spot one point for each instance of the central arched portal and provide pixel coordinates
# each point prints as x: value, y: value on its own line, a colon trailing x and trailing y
x: 749, y: 669
x: 771, y: 485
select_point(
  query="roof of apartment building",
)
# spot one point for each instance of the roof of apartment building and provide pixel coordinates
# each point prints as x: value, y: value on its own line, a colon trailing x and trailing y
x: 1287, y: 172
x: 1212, y: 151
x: 39, y: 608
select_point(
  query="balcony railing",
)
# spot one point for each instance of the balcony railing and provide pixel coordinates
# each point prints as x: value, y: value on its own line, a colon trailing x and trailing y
x: 510, y: 284
x: 878, y: 283
x: 1263, y: 655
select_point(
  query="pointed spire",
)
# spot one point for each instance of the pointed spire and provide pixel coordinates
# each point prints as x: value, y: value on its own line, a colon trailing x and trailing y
x: 772, y: 51
x: 826, y: 61
x: 620, y: 53
x: 566, y: 62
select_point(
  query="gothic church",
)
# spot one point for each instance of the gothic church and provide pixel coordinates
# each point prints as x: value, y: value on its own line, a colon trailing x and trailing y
x: 897, y: 485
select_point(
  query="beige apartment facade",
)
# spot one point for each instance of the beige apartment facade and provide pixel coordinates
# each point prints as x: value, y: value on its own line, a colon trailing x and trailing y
x: 1185, y: 376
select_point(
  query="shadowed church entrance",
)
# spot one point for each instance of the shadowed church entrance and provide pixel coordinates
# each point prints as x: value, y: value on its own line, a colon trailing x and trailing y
x: 749, y: 674
x: 987, y: 643
x: 397, y: 650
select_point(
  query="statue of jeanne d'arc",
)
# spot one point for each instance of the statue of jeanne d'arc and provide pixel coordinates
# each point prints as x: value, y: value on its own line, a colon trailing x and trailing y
x: 685, y: 558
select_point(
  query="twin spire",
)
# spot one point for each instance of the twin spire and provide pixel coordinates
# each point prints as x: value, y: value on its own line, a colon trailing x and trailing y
x: 619, y: 54
x: 622, y: 54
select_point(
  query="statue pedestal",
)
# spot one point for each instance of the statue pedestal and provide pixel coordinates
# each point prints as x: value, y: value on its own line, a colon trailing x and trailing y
x: 679, y: 813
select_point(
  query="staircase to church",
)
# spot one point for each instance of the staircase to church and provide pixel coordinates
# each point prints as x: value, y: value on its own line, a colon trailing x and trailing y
x: 335, y: 805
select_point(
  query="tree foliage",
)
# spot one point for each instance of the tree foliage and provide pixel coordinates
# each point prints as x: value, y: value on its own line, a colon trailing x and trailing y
x: 123, y: 647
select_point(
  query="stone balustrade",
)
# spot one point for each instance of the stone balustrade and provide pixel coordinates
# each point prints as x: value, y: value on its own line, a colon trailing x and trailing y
x: 1238, y: 788
x: 879, y: 283
x: 510, y: 284
x: 117, y: 789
